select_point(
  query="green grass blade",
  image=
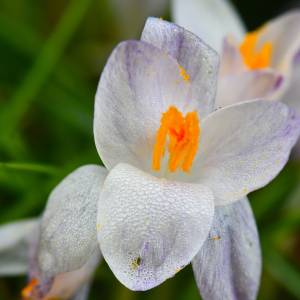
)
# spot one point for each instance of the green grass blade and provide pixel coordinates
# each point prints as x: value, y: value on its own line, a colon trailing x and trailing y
x: 29, y: 167
x: 283, y: 271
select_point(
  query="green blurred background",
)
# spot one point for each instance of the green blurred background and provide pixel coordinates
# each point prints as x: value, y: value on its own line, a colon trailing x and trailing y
x: 51, y: 55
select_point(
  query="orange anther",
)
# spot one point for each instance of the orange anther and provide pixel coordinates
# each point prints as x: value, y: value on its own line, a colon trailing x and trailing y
x: 256, y: 58
x: 27, y: 292
x: 183, y: 134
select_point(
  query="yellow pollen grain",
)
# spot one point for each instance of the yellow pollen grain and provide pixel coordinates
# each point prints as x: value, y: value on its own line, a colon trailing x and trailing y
x: 179, y: 136
x: 184, y: 74
x: 216, y: 238
x: 253, y: 57
x: 98, y: 226
x: 136, y: 263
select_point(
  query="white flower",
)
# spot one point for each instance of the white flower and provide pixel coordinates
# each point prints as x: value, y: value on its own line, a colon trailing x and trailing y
x: 265, y: 62
x: 154, y: 218
x: 173, y: 160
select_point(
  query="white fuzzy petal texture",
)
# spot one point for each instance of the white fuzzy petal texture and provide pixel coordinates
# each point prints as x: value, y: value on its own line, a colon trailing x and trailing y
x: 68, y: 228
x: 150, y: 228
x: 228, y: 266
x: 198, y: 59
x: 139, y: 83
x: 15, y: 239
x: 244, y: 146
x: 211, y: 20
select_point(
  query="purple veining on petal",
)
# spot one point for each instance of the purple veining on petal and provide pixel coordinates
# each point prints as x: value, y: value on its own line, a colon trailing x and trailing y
x: 278, y: 82
x: 296, y: 59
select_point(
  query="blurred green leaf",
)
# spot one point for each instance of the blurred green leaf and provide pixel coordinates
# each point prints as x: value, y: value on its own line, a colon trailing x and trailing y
x: 43, y: 66
x: 282, y: 270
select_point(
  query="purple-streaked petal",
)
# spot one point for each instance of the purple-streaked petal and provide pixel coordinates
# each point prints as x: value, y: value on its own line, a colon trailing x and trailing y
x: 15, y: 239
x: 228, y: 266
x: 68, y: 228
x: 211, y: 20
x: 198, y: 59
x: 249, y: 85
x: 243, y: 147
x: 150, y: 228
x: 139, y: 83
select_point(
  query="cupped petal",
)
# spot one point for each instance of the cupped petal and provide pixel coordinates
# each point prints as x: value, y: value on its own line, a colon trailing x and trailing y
x: 198, y: 59
x: 68, y: 229
x: 211, y: 20
x: 249, y: 85
x: 228, y: 266
x: 15, y: 246
x: 284, y: 34
x: 139, y: 83
x: 244, y: 146
x: 150, y: 228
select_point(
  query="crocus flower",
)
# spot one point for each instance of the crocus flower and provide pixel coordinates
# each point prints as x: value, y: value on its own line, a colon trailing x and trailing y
x: 265, y: 62
x: 173, y: 161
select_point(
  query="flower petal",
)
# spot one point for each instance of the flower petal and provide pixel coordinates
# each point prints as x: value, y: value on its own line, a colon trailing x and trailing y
x: 211, y: 20
x: 68, y: 228
x: 284, y: 34
x: 247, y: 86
x: 199, y: 60
x: 150, y: 228
x: 15, y: 246
x: 74, y: 284
x: 228, y: 266
x: 244, y: 146
x: 138, y: 84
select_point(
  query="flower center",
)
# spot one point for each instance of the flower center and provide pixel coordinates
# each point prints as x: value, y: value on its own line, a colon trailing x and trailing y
x: 183, y: 138
x: 256, y: 58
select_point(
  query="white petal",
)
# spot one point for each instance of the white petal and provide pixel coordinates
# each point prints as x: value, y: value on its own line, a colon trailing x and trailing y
x: 228, y: 266
x: 74, y: 284
x: 292, y: 94
x: 211, y: 20
x: 68, y: 229
x: 248, y: 85
x: 138, y: 84
x: 199, y: 60
x: 231, y: 59
x: 150, y: 227
x: 245, y: 146
x: 15, y: 246
x: 284, y: 34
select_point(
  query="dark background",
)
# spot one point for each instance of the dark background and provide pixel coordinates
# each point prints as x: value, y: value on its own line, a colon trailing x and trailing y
x: 51, y: 55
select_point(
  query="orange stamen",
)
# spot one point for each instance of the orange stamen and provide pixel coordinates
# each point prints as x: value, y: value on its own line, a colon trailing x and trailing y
x: 256, y: 58
x: 183, y: 134
x: 27, y: 291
